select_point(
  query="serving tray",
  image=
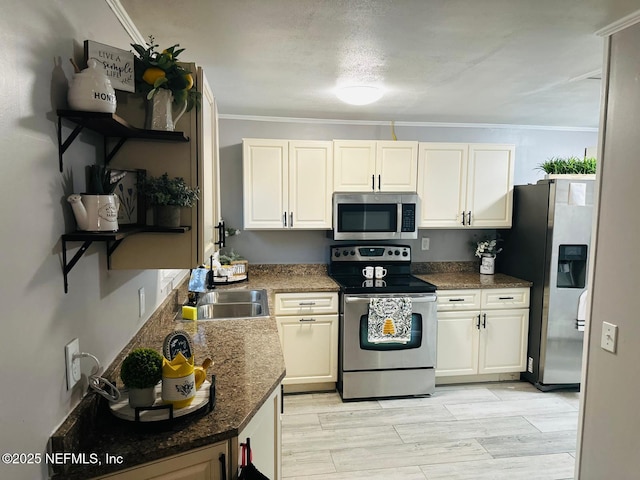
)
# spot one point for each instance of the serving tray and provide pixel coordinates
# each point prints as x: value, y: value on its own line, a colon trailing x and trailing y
x: 204, y: 401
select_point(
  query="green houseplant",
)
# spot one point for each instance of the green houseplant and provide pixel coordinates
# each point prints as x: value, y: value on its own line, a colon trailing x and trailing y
x: 168, y: 195
x: 141, y: 371
x: 568, y: 165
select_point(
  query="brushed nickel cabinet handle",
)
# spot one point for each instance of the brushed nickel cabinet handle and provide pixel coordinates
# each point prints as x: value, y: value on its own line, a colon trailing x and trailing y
x: 284, y: 216
x: 291, y: 219
x: 307, y: 320
x: 306, y: 304
x: 463, y: 214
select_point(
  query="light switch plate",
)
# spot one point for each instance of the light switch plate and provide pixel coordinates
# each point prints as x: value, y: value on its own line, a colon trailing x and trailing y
x: 609, y: 339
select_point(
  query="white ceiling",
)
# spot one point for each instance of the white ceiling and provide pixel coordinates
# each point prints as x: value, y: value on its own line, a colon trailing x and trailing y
x: 520, y: 62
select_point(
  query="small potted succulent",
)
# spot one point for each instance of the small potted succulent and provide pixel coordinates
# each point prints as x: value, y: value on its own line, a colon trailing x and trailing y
x: 168, y: 196
x: 141, y: 371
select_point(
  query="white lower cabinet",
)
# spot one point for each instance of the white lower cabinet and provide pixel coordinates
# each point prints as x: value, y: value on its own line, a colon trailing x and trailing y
x: 308, y: 329
x: 482, y: 331
x: 265, y: 432
x: 205, y: 463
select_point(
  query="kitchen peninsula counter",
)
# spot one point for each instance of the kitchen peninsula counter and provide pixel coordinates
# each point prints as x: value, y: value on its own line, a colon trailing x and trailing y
x: 248, y: 365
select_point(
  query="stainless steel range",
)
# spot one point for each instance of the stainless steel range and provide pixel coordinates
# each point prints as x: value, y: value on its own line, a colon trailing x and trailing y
x: 370, y: 366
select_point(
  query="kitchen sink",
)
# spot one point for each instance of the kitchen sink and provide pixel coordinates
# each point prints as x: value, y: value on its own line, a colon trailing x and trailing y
x: 234, y: 296
x: 226, y: 304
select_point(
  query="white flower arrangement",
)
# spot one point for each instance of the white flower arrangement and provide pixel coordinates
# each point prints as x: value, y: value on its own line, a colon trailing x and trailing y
x: 487, y: 247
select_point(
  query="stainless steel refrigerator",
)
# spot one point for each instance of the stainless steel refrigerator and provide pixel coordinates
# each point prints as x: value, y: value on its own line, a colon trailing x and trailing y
x: 549, y: 245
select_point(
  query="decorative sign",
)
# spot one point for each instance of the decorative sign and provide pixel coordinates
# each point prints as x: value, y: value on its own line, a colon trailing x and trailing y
x: 132, y: 205
x: 118, y: 64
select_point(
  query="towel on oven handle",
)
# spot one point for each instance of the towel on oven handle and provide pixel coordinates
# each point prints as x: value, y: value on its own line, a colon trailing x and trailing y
x: 389, y: 320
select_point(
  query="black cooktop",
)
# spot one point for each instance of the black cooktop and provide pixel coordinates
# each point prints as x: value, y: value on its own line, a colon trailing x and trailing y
x: 347, y: 262
x: 389, y: 284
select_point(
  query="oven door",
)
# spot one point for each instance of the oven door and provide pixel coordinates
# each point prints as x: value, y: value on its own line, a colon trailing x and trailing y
x: 359, y: 354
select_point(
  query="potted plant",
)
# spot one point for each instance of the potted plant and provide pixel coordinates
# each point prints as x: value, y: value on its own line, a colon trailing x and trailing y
x: 555, y: 166
x: 141, y: 371
x: 167, y: 196
x: 486, y: 250
x: 97, y: 209
x: 165, y: 83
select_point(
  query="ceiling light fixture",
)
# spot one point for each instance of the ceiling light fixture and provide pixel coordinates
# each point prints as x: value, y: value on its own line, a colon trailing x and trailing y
x: 359, y: 94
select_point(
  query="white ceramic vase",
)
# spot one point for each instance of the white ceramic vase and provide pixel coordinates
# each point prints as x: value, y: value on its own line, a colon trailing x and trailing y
x: 487, y: 264
x: 160, y: 113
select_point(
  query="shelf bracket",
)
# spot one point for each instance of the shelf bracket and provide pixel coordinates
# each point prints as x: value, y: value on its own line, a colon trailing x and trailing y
x: 109, y: 155
x: 62, y: 147
x: 74, y: 260
x: 110, y: 249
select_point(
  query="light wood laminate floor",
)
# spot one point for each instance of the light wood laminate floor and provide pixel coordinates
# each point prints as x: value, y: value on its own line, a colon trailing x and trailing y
x: 497, y: 431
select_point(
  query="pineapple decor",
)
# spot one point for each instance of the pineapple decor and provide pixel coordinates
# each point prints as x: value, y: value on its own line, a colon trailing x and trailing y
x: 388, y: 328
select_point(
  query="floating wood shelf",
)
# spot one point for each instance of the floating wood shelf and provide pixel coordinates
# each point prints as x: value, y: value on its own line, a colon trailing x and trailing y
x: 109, y: 125
x: 113, y: 239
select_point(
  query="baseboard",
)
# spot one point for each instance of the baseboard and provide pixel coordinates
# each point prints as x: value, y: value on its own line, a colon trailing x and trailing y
x: 310, y: 387
x: 491, y: 377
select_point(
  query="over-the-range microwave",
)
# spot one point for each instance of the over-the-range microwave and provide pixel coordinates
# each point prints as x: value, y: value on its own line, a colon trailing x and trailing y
x: 375, y: 216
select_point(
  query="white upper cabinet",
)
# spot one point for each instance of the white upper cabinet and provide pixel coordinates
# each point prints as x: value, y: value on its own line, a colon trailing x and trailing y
x: 465, y: 185
x: 287, y: 184
x: 366, y: 166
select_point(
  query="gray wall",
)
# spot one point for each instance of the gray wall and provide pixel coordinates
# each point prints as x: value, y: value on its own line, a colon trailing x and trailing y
x: 533, y: 146
x: 101, y: 308
x: 609, y: 412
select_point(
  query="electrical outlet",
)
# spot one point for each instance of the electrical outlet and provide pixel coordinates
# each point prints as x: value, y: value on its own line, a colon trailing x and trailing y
x: 609, y: 340
x: 425, y: 243
x: 72, y: 365
x: 141, y: 302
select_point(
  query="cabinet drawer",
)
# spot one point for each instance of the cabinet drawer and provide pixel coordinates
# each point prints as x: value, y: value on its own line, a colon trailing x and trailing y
x: 306, y: 303
x: 505, y: 298
x: 458, y: 300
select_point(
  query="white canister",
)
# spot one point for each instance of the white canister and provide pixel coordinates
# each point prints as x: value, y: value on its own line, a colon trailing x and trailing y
x: 95, y: 213
x: 91, y: 90
x: 487, y: 264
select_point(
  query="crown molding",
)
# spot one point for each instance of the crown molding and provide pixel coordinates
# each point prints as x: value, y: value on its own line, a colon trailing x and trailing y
x: 126, y: 21
x: 619, y: 25
x: 328, y: 121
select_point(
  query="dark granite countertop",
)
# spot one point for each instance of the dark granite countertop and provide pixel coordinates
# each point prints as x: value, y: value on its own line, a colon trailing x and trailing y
x: 248, y: 365
x: 459, y: 280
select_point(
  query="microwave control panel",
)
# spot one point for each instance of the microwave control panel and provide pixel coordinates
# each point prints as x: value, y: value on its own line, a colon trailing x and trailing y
x: 408, y: 217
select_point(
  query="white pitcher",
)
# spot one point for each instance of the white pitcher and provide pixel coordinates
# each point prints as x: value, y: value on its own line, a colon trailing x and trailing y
x: 160, y: 114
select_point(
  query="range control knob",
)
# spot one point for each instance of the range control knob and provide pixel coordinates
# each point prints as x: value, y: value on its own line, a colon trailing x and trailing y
x: 389, y: 252
x: 345, y: 252
x: 397, y: 252
x: 405, y: 254
x: 337, y: 254
x: 353, y: 252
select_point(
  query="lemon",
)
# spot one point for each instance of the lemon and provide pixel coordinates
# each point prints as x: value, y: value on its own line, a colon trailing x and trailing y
x: 189, y: 80
x: 152, y: 74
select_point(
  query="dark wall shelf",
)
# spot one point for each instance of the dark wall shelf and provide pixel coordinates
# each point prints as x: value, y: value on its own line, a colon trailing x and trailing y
x: 109, y: 125
x: 113, y: 239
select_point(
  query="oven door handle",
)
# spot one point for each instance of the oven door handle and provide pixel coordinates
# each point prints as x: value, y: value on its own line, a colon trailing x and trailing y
x: 419, y: 299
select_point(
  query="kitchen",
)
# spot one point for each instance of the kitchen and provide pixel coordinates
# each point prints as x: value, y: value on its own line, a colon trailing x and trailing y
x: 99, y: 306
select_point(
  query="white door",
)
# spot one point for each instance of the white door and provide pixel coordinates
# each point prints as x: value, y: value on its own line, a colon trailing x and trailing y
x: 503, y: 340
x: 442, y: 184
x: 265, y: 183
x: 396, y: 166
x: 310, y: 347
x: 354, y: 165
x: 457, y: 350
x: 310, y: 184
x: 490, y: 185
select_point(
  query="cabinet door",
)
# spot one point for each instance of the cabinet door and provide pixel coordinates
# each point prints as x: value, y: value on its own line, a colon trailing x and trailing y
x: 503, y: 340
x: 490, y: 185
x: 265, y: 183
x: 264, y: 430
x: 202, y: 464
x: 310, y: 184
x: 209, y: 174
x: 396, y: 166
x: 310, y: 347
x: 354, y: 165
x: 464, y: 299
x: 457, y: 350
x: 442, y: 183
